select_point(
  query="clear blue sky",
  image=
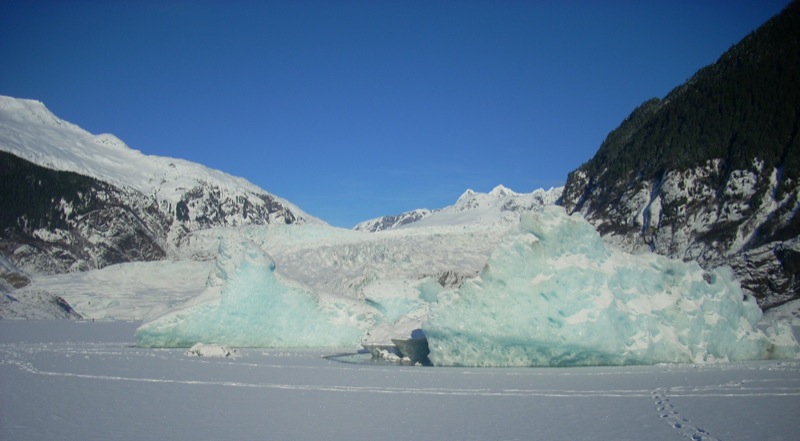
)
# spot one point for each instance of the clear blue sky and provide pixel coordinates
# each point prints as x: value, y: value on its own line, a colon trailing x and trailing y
x: 358, y: 109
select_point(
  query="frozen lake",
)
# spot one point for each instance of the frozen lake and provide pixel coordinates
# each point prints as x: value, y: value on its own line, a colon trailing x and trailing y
x: 82, y: 380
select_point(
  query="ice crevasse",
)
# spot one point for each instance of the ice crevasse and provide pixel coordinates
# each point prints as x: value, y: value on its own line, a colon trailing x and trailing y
x: 553, y: 294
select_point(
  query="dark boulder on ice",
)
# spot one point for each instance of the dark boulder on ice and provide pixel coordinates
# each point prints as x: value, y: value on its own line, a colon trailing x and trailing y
x: 415, y: 349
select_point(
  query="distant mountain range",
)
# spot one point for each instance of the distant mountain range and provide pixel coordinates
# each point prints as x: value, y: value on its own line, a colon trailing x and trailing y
x: 711, y: 172
x: 75, y: 201
x: 499, y: 206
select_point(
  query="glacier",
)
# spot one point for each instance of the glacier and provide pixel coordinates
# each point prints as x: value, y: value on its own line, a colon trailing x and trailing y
x: 553, y: 294
x: 246, y: 304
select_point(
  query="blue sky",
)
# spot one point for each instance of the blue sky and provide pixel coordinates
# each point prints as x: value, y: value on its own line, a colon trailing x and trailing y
x: 358, y: 109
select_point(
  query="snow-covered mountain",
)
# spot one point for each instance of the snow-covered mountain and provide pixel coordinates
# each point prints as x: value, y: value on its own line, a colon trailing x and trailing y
x: 500, y: 206
x: 711, y: 173
x: 77, y: 201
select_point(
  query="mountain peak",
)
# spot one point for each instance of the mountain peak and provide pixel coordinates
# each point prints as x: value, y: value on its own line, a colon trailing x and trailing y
x: 467, y: 194
x: 31, y: 111
x: 501, y: 191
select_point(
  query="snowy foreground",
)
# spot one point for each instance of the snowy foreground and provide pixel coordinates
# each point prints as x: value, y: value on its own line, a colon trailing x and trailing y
x: 72, y: 380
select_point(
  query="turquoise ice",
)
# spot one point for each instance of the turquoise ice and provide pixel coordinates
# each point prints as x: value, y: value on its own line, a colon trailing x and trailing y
x: 553, y: 294
x: 255, y: 308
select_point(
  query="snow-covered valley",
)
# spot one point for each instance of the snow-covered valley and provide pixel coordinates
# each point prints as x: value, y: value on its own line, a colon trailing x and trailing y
x: 496, y: 279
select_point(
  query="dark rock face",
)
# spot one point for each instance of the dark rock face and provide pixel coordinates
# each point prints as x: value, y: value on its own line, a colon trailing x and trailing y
x: 207, y: 206
x: 712, y: 172
x: 54, y: 222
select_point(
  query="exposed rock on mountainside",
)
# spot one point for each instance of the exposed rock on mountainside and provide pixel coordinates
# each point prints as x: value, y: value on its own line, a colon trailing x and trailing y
x: 711, y: 172
x: 393, y: 221
x: 74, y: 201
x: 54, y: 222
x: 11, y: 277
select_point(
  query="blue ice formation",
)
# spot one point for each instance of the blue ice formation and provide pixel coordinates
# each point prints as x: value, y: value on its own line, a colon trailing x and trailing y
x: 555, y: 295
x: 255, y: 308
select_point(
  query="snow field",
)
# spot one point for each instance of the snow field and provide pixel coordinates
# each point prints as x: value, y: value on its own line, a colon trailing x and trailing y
x: 81, y: 380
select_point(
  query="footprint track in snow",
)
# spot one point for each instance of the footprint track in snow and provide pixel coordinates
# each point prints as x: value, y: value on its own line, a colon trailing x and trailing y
x: 668, y: 412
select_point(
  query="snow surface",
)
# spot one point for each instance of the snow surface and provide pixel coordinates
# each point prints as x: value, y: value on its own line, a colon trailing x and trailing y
x: 71, y: 380
x: 128, y: 291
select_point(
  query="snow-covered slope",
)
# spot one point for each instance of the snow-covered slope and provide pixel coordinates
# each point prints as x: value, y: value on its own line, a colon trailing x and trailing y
x: 501, y: 206
x: 393, y: 221
x: 19, y: 303
x: 29, y: 130
x: 94, y: 201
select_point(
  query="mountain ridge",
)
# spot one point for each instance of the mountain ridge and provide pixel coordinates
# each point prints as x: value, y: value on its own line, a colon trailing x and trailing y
x: 140, y: 206
x: 104, y: 156
x: 711, y: 172
x: 501, y: 205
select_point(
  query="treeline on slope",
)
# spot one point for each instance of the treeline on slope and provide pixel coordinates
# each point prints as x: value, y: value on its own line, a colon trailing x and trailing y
x: 87, y: 221
x: 744, y: 106
x: 30, y: 194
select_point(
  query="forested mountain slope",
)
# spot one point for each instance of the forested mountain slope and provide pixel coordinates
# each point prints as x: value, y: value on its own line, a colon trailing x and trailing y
x: 711, y: 172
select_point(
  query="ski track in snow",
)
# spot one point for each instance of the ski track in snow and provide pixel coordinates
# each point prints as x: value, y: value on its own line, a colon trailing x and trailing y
x: 24, y: 356
x: 21, y: 355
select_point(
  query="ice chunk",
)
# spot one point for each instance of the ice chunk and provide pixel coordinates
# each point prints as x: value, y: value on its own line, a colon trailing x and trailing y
x: 554, y: 295
x: 255, y: 307
x: 204, y: 350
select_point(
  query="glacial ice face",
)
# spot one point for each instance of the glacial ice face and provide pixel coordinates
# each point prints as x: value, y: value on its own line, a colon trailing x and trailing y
x: 255, y: 307
x: 554, y: 295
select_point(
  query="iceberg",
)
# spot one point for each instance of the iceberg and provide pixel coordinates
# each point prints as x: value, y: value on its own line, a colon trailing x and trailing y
x: 553, y: 294
x: 246, y: 304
